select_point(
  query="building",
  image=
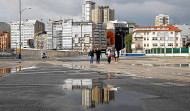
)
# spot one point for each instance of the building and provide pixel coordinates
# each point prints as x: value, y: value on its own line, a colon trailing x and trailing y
x: 67, y: 34
x: 57, y: 34
x: 28, y: 30
x: 149, y: 37
x: 4, y: 27
x: 162, y: 19
x: 102, y: 14
x: 117, y: 31
x: 87, y: 7
x: 82, y: 36
x: 99, y: 33
x: 5, y: 41
x: 185, y: 34
x: 49, y: 29
x: 41, y: 41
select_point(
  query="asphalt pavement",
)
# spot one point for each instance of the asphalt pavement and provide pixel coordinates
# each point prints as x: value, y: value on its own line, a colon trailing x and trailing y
x: 47, y: 87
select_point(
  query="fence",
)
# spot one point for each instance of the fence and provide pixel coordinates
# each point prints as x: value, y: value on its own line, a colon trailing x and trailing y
x: 169, y: 52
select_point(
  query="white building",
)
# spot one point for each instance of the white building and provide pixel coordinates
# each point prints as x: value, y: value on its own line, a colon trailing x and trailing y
x: 49, y: 29
x: 149, y: 37
x: 28, y: 30
x: 67, y: 34
x: 87, y: 7
x: 162, y: 19
x: 82, y: 36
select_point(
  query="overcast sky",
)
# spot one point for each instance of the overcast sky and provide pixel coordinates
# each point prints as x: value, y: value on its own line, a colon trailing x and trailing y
x: 142, y: 12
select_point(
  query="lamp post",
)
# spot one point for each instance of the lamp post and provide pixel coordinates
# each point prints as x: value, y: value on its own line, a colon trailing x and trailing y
x: 20, y: 12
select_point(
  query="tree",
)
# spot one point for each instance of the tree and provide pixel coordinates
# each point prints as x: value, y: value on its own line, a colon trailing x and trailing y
x: 128, y: 43
x: 187, y: 45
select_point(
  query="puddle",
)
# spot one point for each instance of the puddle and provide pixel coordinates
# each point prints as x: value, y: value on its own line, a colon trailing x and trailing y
x: 14, y: 69
x: 93, y: 94
x: 162, y: 65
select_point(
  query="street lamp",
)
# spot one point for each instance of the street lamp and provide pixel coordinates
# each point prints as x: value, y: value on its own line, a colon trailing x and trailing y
x: 20, y: 12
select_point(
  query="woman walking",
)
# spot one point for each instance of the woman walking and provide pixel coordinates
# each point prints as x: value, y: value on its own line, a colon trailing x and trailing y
x: 116, y: 55
x: 109, y: 56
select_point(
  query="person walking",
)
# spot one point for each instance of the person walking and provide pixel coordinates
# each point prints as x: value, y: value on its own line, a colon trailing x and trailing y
x: 109, y: 56
x: 98, y: 53
x: 116, y: 55
x: 91, y: 54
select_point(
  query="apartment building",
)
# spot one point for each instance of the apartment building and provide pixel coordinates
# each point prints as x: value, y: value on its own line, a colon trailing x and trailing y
x: 87, y: 7
x: 100, y: 40
x: 162, y: 19
x: 149, y: 37
x: 67, y: 34
x: 28, y: 30
x: 49, y: 29
x: 82, y: 36
x: 41, y: 41
x: 103, y: 14
x: 5, y: 41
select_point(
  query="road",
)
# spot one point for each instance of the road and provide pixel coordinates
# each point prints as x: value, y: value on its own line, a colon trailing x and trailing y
x: 56, y: 87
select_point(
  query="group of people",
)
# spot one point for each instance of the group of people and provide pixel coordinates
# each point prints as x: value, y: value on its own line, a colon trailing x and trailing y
x: 98, y: 54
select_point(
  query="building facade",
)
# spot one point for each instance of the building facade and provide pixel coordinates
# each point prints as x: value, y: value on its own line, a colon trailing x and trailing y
x: 87, y: 7
x: 28, y: 30
x: 100, y: 40
x: 82, y: 36
x: 41, y: 41
x: 162, y: 19
x: 149, y: 37
x: 103, y: 14
x: 67, y: 34
x: 5, y: 42
x: 117, y: 31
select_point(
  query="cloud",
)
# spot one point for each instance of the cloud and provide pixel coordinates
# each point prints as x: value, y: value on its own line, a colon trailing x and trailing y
x: 142, y: 12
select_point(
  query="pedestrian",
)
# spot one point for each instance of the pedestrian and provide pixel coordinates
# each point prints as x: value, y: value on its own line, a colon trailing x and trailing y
x: 91, y: 54
x: 109, y: 54
x: 116, y: 55
x: 98, y: 53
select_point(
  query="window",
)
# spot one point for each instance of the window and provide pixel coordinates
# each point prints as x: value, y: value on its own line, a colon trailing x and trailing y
x: 162, y: 44
x: 144, y: 33
x: 144, y: 45
x: 170, y: 44
x: 153, y: 33
x: 171, y: 33
x: 170, y: 38
x: 144, y: 38
x: 147, y: 38
x: 138, y: 33
x: 148, y: 33
x: 177, y: 38
x: 162, y: 38
x: 154, y: 44
x: 177, y: 44
x: 154, y: 38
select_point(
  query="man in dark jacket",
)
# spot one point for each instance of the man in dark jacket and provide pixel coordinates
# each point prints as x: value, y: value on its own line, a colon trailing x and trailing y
x: 98, y: 53
x: 91, y: 54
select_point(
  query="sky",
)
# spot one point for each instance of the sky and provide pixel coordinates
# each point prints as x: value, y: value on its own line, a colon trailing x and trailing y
x: 142, y: 12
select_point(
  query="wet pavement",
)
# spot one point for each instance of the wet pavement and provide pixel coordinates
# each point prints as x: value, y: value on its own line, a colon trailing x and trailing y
x: 47, y: 87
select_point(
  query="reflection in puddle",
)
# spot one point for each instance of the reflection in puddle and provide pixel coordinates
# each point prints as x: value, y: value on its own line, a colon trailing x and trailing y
x: 164, y: 65
x: 14, y: 69
x: 94, y: 93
